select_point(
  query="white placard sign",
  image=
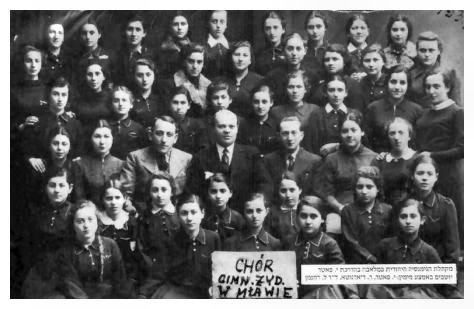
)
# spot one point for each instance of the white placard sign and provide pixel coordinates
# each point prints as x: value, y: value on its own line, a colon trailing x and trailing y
x: 269, y: 274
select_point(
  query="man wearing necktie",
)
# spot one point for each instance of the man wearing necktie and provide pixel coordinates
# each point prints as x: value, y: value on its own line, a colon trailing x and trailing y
x: 239, y: 162
x: 161, y: 156
x: 290, y: 158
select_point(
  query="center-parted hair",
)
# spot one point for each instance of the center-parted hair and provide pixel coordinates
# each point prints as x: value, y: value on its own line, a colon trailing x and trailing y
x: 393, y: 19
x: 274, y: 15
x: 315, y: 14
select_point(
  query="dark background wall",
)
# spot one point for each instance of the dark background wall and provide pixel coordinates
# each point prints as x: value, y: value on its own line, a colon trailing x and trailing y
x: 29, y: 27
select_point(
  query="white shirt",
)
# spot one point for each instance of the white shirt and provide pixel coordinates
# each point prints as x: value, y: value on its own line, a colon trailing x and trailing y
x: 329, y: 108
x: 351, y: 47
x: 211, y: 41
x: 220, y: 150
x: 169, y: 208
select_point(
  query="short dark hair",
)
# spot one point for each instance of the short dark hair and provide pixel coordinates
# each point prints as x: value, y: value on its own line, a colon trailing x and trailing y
x: 186, y: 198
x: 189, y: 49
x: 217, y: 85
x: 398, y: 68
x: 220, y: 178
x: 161, y: 175
x: 262, y: 88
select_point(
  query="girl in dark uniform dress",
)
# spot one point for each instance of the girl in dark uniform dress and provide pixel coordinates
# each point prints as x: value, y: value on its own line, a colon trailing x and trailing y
x: 148, y: 93
x: 191, y: 136
x: 168, y: 53
x: 241, y: 79
x: 117, y: 221
x: 219, y: 217
x: 281, y: 219
x: 93, y: 104
x: 156, y: 229
x: 253, y: 237
x: 57, y: 60
x: 189, y: 275
x: 128, y: 134
x: 29, y: 95
x: 373, y: 84
x: 89, y: 265
x: 313, y: 246
x: 271, y: 56
x: 405, y: 248
x: 395, y: 165
x: 367, y: 220
x: 316, y: 26
x: 49, y: 226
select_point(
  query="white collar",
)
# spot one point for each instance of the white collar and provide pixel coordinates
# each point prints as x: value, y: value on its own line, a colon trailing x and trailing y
x: 168, y: 208
x: 329, y: 108
x: 408, y: 155
x: 351, y: 47
x: 211, y: 41
x: 117, y: 223
x: 282, y: 207
x: 442, y: 105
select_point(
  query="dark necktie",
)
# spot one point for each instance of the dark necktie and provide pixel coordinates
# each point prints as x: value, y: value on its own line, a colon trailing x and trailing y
x: 291, y: 162
x: 162, y: 164
x: 225, y: 157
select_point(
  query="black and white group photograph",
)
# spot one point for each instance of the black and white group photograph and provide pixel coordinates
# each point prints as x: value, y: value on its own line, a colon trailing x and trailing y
x: 197, y: 154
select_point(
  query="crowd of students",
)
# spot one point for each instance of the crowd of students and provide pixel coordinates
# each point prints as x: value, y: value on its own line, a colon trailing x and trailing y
x: 130, y: 167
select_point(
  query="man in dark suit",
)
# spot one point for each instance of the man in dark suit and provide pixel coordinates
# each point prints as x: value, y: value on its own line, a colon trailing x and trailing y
x: 291, y: 157
x: 225, y: 156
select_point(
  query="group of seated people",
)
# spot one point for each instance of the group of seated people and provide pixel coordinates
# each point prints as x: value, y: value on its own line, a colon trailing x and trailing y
x: 131, y: 167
